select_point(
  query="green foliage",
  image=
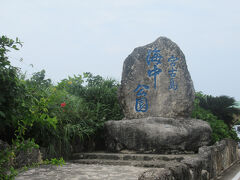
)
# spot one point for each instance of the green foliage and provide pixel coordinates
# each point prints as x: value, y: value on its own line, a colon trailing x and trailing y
x: 219, y: 127
x: 34, y: 112
x: 55, y: 117
x: 88, y: 101
x: 38, y: 82
x: 6, y: 170
x: 98, y: 102
x: 10, y: 175
x: 55, y: 161
x: 222, y: 106
x: 7, y: 157
x: 37, y: 102
x: 22, y: 103
x: 21, y: 144
x: 11, y: 89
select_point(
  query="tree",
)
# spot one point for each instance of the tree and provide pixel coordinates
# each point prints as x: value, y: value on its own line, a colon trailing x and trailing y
x: 11, y: 89
x: 222, y: 106
x: 219, y: 127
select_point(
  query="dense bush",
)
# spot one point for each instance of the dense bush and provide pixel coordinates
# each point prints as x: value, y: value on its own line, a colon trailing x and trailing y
x: 57, y: 117
x: 11, y: 90
x: 87, y: 102
x: 17, y: 106
x: 219, y: 127
x: 22, y: 103
x: 71, y: 113
x: 221, y: 106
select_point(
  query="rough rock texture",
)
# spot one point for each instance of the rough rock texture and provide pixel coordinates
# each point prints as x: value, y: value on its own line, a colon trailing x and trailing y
x: 156, y: 174
x: 195, y: 166
x: 22, y: 157
x: 209, y: 164
x: 157, y: 96
x: 171, y: 171
x: 157, y: 135
x: 81, y: 172
x: 219, y: 156
x: 185, y: 167
x: 3, y: 150
x: 168, y: 90
x: 3, y: 145
x: 27, y: 157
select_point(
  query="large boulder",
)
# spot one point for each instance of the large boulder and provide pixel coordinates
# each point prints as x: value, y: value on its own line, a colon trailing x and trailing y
x: 156, y: 82
x: 157, y: 97
x: 157, y: 135
x: 27, y: 157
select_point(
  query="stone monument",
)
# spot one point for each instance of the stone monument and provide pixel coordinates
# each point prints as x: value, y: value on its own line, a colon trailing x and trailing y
x: 157, y: 96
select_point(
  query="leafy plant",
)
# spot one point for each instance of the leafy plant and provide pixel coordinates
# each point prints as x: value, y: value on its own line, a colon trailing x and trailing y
x: 6, y: 169
x: 222, y: 106
x: 35, y: 112
x: 55, y: 161
x: 25, y: 144
x: 11, y: 89
x: 220, y: 129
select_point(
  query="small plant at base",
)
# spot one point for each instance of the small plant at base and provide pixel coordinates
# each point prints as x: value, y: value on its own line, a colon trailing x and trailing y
x: 55, y: 161
x: 6, y: 169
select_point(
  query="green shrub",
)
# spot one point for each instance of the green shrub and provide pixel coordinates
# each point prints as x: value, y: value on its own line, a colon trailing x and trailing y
x: 55, y: 117
x: 220, y: 129
x: 55, y: 161
x: 11, y: 90
x: 221, y: 106
x: 71, y: 113
x: 6, y: 169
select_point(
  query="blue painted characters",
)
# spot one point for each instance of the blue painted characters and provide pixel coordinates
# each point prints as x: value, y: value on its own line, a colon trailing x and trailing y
x: 154, y: 57
x: 141, y: 100
x: 172, y: 72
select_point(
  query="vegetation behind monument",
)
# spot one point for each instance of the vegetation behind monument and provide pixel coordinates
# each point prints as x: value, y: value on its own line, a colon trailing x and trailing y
x: 71, y: 114
x: 211, y: 112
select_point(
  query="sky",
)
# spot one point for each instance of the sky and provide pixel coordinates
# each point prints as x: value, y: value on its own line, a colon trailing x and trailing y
x: 67, y: 37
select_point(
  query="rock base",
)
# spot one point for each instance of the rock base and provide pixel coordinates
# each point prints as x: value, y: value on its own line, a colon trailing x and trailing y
x: 157, y: 135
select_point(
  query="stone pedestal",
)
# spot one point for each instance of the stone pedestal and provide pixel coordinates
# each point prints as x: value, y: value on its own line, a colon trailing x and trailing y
x: 157, y: 135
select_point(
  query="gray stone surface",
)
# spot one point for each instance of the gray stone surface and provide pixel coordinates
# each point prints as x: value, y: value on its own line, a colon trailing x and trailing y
x: 27, y: 157
x: 219, y: 157
x: 137, y: 160
x: 209, y: 163
x: 163, y: 98
x: 156, y: 174
x: 131, y: 156
x: 72, y: 171
x: 3, y: 145
x: 176, y: 171
x: 157, y: 135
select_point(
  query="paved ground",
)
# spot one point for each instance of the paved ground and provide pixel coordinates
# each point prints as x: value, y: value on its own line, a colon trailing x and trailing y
x: 82, y: 172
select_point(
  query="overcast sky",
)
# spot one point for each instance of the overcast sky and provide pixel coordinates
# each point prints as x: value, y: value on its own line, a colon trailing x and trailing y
x: 67, y: 37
